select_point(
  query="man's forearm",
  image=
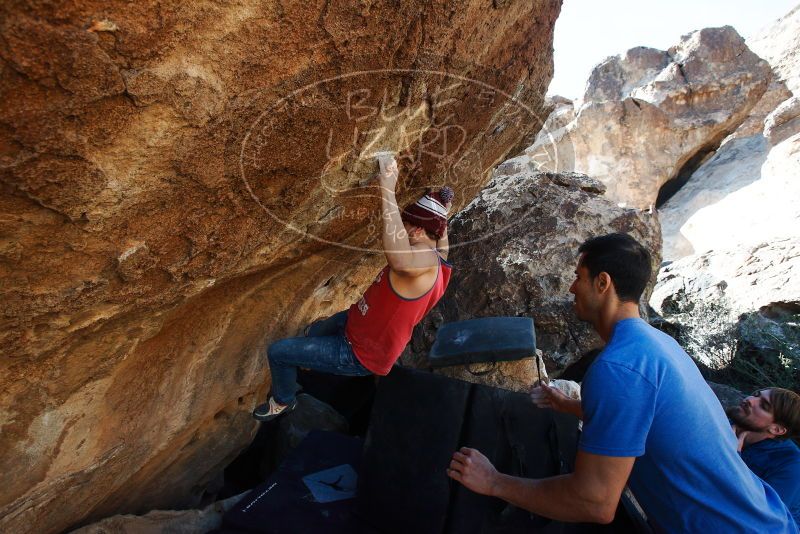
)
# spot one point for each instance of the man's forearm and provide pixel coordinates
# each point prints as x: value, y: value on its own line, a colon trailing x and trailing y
x: 590, y: 493
x: 558, y: 498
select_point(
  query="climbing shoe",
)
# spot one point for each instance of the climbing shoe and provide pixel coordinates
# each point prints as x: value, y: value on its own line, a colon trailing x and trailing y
x: 271, y: 410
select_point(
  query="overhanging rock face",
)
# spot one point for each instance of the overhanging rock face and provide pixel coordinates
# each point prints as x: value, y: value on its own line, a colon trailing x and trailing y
x: 183, y: 183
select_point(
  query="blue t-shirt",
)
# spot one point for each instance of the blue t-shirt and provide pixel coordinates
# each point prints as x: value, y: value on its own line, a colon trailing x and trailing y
x: 778, y: 464
x: 644, y: 397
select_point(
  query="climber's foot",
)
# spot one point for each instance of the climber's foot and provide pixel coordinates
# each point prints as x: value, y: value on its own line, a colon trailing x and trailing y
x: 272, y: 409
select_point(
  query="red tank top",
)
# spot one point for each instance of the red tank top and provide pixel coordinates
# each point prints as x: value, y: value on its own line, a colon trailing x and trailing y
x: 380, y: 324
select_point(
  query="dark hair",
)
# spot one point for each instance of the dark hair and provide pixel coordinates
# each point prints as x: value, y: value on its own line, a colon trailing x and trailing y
x: 625, y: 260
x: 786, y: 410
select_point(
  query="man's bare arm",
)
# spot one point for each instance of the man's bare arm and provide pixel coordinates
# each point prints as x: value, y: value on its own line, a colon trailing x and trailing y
x: 591, y: 493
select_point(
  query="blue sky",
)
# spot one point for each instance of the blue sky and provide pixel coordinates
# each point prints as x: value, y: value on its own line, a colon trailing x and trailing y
x: 588, y: 31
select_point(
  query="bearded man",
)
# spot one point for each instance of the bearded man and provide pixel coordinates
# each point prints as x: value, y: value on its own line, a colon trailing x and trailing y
x: 764, y: 422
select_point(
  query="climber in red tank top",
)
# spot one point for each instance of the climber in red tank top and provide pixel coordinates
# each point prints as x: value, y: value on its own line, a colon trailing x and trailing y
x: 380, y: 324
x: 369, y: 337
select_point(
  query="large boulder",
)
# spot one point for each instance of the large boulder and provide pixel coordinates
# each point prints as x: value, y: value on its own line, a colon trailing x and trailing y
x: 515, y: 252
x: 182, y: 183
x: 649, y: 116
x: 738, y: 307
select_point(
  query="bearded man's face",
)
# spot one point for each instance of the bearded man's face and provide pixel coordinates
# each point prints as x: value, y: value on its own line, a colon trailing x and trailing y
x: 754, y: 413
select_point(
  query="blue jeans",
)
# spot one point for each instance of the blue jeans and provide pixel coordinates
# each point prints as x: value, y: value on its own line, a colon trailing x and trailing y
x: 324, y: 349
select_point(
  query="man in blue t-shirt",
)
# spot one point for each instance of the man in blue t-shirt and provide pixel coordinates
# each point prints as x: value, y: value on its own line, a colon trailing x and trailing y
x: 649, y: 420
x: 764, y: 422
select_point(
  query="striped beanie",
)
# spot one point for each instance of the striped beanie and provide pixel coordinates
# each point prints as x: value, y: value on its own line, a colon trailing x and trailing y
x: 430, y: 211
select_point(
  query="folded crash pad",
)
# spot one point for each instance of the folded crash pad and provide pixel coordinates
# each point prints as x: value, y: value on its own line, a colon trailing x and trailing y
x: 488, y: 339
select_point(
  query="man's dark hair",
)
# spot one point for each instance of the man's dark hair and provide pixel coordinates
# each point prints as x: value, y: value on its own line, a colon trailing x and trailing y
x: 625, y: 260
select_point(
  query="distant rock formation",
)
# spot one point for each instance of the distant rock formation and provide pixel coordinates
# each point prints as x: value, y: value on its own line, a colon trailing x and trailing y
x: 515, y: 255
x: 747, y: 192
x: 181, y: 183
x: 650, y: 116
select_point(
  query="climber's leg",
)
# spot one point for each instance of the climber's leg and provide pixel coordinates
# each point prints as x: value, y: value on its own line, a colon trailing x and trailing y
x: 329, y: 354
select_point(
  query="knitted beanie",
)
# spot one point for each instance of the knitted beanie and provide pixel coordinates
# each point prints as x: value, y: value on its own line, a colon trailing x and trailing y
x: 430, y: 211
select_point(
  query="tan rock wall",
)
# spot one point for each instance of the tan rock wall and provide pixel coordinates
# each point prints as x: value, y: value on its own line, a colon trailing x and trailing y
x: 165, y: 214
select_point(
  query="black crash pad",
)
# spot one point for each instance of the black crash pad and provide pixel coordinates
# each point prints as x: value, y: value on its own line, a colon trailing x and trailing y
x: 487, y: 339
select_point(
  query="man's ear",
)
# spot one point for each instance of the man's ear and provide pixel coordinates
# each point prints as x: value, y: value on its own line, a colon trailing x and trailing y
x: 602, y: 282
x: 777, y: 429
